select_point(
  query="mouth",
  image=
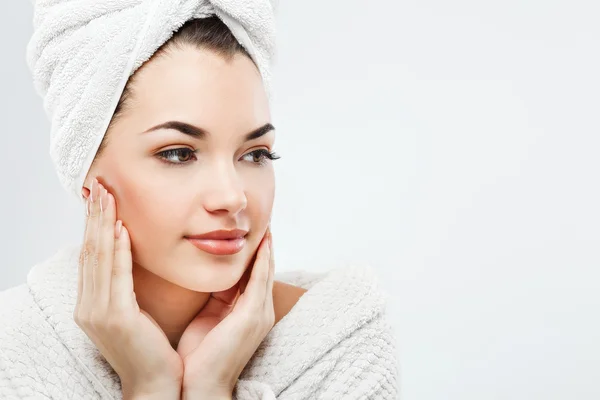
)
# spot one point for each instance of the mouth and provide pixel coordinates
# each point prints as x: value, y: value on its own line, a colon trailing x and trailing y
x: 219, y: 246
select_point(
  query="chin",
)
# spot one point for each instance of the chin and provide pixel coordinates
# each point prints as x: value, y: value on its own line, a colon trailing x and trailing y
x: 208, y: 274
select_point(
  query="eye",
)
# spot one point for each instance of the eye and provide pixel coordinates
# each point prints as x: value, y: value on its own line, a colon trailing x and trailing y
x: 261, y: 156
x: 182, y: 155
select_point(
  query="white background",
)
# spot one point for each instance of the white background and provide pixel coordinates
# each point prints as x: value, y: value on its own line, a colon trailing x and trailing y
x: 452, y: 145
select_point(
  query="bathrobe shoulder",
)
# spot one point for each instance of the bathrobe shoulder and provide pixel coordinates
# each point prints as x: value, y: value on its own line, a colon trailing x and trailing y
x: 336, y: 342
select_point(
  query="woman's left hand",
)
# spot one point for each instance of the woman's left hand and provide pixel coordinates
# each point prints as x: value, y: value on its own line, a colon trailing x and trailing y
x: 219, y: 342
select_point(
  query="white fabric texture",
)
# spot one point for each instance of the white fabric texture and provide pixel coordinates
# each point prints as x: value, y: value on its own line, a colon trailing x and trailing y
x: 335, y: 343
x: 82, y: 52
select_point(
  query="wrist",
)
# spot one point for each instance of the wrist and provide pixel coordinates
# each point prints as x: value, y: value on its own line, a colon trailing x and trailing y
x: 206, y: 394
x: 151, y: 389
x: 202, y: 396
x: 156, y: 396
x: 152, y: 394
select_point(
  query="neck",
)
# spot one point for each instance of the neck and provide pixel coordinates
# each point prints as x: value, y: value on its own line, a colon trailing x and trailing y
x: 173, y: 307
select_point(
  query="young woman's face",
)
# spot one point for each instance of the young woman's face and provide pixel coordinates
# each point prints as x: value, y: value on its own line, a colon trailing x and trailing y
x: 170, y: 185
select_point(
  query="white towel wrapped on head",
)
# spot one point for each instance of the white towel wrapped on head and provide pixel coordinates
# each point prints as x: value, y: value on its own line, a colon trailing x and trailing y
x: 82, y: 53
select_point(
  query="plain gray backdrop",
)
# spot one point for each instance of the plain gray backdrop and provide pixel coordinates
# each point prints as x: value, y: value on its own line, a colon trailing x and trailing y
x: 452, y: 145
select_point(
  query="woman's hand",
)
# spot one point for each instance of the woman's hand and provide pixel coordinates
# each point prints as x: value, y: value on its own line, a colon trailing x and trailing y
x: 219, y: 342
x: 107, y: 311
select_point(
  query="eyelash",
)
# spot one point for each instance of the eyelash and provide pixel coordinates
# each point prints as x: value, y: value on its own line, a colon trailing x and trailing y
x: 166, y: 154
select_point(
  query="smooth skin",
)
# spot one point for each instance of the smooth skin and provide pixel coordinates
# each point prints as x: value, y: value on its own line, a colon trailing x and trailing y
x: 108, y: 313
x: 213, y: 181
x: 204, y: 365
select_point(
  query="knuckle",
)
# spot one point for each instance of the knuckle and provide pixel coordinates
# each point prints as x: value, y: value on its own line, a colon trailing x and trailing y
x: 89, y: 249
x: 82, y: 319
x: 118, y: 319
x: 114, y: 324
x: 94, y: 210
x: 96, y: 320
x: 101, y: 256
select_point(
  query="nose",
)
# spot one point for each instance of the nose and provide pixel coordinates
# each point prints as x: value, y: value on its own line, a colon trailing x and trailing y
x: 225, y: 191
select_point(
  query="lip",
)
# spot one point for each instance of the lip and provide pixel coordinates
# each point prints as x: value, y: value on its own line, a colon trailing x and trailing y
x: 220, y: 234
x: 220, y: 242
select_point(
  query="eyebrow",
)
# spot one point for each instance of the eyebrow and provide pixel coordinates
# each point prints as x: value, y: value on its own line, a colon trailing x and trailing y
x: 199, y: 133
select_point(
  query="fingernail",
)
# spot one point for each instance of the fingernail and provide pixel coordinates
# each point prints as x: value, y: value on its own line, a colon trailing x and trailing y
x: 118, y: 227
x: 85, y: 192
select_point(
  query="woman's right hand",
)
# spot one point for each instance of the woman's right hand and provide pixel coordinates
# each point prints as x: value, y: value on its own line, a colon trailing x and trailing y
x: 107, y: 311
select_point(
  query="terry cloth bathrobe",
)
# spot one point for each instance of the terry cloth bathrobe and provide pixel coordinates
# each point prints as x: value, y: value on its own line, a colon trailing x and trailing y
x: 335, y: 343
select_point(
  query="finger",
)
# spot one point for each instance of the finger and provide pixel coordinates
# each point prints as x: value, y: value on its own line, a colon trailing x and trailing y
x: 269, y: 291
x: 79, y: 278
x: 105, y: 250
x: 89, y: 257
x: 260, y: 274
x: 122, y: 296
x: 86, y: 195
x: 246, y: 276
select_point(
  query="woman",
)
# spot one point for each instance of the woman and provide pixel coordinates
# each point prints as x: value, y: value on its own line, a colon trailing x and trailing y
x: 172, y: 293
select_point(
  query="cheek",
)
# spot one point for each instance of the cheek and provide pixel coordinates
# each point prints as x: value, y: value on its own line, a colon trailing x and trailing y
x: 151, y: 212
x: 157, y: 212
x: 260, y: 202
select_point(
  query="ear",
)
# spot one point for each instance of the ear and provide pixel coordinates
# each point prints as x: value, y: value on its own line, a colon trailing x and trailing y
x: 85, y: 192
x: 87, y: 183
x: 92, y: 173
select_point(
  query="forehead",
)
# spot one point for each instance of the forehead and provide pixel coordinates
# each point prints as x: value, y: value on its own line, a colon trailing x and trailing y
x: 200, y: 87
